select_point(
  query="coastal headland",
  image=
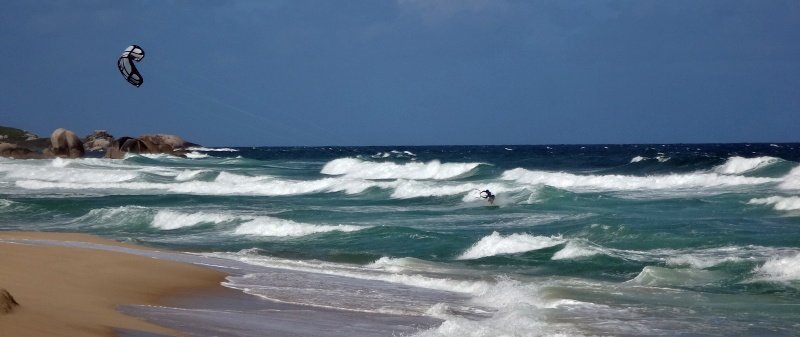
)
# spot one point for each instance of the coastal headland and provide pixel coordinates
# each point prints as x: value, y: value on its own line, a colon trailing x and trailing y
x: 21, y: 144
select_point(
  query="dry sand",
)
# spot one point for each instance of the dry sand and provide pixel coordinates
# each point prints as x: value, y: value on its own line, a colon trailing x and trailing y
x: 65, y: 291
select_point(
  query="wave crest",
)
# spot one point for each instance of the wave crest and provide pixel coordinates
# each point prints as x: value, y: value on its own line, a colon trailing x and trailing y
x: 615, y: 182
x: 497, y: 244
x: 436, y: 170
x: 169, y: 220
x: 740, y: 165
x: 682, y: 277
x: 780, y: 269
x: 778, y: 203
x: 269, y: 226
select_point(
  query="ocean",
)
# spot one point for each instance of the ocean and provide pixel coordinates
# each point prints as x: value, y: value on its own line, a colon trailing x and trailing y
x: 585, y: 240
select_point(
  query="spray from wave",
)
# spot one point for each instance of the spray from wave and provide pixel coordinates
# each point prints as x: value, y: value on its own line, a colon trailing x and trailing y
x: 779, y: 269
x: 741, y: 165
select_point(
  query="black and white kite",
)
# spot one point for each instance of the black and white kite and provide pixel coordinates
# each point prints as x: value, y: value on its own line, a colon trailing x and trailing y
x: 126, y: 67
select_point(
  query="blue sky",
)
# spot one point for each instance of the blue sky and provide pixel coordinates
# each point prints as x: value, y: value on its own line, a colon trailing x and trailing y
x: 407, y: 72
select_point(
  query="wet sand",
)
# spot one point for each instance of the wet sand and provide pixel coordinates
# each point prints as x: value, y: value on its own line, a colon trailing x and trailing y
x: 70, y: 291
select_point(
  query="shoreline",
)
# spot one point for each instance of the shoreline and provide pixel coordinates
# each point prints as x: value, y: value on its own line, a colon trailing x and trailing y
x: 75, y: 291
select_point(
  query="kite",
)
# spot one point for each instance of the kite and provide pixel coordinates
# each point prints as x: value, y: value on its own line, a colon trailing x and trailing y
x: 126, y: 67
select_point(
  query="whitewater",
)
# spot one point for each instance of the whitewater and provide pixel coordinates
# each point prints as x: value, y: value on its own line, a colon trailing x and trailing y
x: 586, y: 240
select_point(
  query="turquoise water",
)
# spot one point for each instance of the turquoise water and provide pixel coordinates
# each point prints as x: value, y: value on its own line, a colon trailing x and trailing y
x: 626, y: 240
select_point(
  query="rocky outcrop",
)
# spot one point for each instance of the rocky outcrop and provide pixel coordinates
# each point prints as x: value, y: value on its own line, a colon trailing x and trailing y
x: 175, y: 142
x: 64, y: 143
x: 147, y: 144
x: 120, y: 147
x: 7, y: 302
x: 20, y: 144
x: 99, y: 140
x: 17, y: 152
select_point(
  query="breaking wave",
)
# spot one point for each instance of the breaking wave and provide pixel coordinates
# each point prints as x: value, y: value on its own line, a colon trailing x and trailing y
x: 779, y: 269
x: 573, y: 250
x: 394, y: 154
x: 740, y: 165
x: 497, y: 244
x: 357, y: 168
x: 269, y: 226
x: 681, y: 277
x: 792, y: 180
x: 211, y: 149
x: 572, y: 181
x: 169, y: 220
x: 778, y: 203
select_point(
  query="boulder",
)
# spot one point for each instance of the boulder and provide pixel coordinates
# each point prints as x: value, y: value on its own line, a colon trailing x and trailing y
x: 119, y: 147
x: 64, y: 143
x: 97, y: 141
x: 156, y: 143
x: 175, y: 142
x: 7, y: 302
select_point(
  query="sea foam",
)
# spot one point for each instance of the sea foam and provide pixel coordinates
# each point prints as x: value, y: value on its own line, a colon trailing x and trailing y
x: 509, y: 308
x: 574, y: 250
x: 497, y: 244
x: 357, y: 168
x: 405, y: 189
x: 269, y: 226
x: 168, y: 220
x: 778, y: 203
x: 740, y: 165
x: 69, y: 175
x: 572, y: 181
x: 197, y: 155
x: 413, y: 279
x: 780, y: 269
x: 210, y: 149
x: 792, y: 180
x: 681, y: 277
x: 235, y: 184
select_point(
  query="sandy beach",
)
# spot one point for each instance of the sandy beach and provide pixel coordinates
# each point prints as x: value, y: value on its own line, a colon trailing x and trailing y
x: 66, y: 291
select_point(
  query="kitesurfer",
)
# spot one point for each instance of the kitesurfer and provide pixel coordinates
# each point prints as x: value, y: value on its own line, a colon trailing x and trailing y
x: 486, y: 194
